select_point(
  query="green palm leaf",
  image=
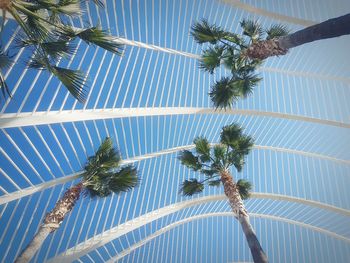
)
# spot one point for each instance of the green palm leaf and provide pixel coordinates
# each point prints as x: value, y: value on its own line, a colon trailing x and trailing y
x: 276, y: 31
x: 244, y: 188
x: 219, y: 152
x: 216, y: 182
x: 247, y: 83
x: 99, y: 37
x: 191, y: 187
x: 223, y: 93
x: 123, y: 180
x: 5, y: 62
x: 202, y: 148
x: 203, y: 32
x: 230, y: 134
x: 105, y: 159
x: 251, y: 29
x: 211, y: 58
x: 188, y: 159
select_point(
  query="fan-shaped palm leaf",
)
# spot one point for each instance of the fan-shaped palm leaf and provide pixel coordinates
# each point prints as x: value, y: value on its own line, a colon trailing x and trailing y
x: 203, y: 32
x: 214, y: 182
x: 276, y: 31
x: 244, y: 144
x: 251, y: 29
x: 5, y: 62
x: 99, y: 37
x: 123, y: 180
x: 219, y: 151
x: 244, y: 188
x: 188, y: 159
x: 191, y: 187
x: 202, y: 148
x: 211, y: 58
x: 247, y: 83
x: 105, y: 159
x: 223, y: 93
x: 230, y: 134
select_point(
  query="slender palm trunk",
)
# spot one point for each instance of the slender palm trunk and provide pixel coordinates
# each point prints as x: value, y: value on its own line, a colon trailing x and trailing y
x: 236, y: 203
x: 334, y: 27
x: 52, y: 222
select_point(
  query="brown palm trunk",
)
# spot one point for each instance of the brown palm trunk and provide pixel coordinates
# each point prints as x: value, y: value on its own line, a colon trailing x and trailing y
x: 236, y: 203
x: 334, y: 27
x: 52, y: 222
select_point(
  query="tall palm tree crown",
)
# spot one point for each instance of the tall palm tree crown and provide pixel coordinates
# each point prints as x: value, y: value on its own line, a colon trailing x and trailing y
x: 211, y: 160
x: 102, y: 176
x: 50, y: 35
x: 214, y: 162
x: 242, y: 54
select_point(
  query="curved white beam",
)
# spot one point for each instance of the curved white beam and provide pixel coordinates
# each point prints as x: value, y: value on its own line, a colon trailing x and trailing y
x: 31, y: 190
x: 10, y: 120
x: 273, y: 15
x: 118, y: 231
x: 220, y: 214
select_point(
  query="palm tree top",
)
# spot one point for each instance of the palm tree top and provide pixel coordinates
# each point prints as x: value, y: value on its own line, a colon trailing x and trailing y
x: 211, y: 160
x: 104, y: 173
x: 230, y: 50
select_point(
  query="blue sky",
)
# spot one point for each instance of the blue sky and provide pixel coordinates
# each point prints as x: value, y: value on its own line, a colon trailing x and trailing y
x: 296, y: 158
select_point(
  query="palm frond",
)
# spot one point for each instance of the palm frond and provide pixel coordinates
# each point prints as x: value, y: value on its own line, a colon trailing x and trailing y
x: 219, y: 152
x: 73, y: 80
x: 202, y: 148
x: 123, y: 180
x: 244, y: 188
x: 223, y: 94
x: 191, y: 187
x: 230, y: 134
x: 188, y: 159
x: 247, y: 83
x: 237, y: 159
x: 5, y: 62
x: 67, y: 7
x: 105, y: 159
x: 55, y: 49
x: 251, y: 29
x: 210, y: 58
x: 276, y: 31
x: 99, y: 3
x: 216, y: 182
x: 244, y: 144
x: 208, y: 172
x: 99, y: 37
x: 203, y: 32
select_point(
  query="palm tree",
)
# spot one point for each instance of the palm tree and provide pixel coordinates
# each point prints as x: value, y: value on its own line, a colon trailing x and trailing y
x: 50, y: 36
x: 5, y: 62
x: 102, y: 176
x: 242, y: 54
x: 215, y: 162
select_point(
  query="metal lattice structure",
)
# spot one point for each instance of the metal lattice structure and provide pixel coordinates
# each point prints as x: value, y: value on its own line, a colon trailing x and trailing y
x: 152, y: 102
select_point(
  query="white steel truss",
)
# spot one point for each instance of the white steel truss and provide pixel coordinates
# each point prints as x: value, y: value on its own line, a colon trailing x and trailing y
x: 217, y: 214
x: 10, y: 120
x: 122, y: 229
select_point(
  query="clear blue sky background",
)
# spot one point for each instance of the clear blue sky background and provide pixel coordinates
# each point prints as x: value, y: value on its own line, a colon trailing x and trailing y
x: 312, y: 81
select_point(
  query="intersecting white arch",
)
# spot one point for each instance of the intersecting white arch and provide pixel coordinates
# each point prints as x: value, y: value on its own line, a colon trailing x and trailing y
x: 273, y: 15
x: 40, y: 187
x: 10, y: 120
x: 122, y: 229
x: 220, y: 214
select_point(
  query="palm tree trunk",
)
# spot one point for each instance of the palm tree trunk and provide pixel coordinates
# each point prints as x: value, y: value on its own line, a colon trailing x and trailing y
x: 236, y: 203
x: 52, y: 222
x: 334, y: 27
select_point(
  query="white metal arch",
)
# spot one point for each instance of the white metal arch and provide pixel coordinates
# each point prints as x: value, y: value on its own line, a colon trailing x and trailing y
x: 217, y: 214
x: 122, y: 229
x: 10, y: 120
